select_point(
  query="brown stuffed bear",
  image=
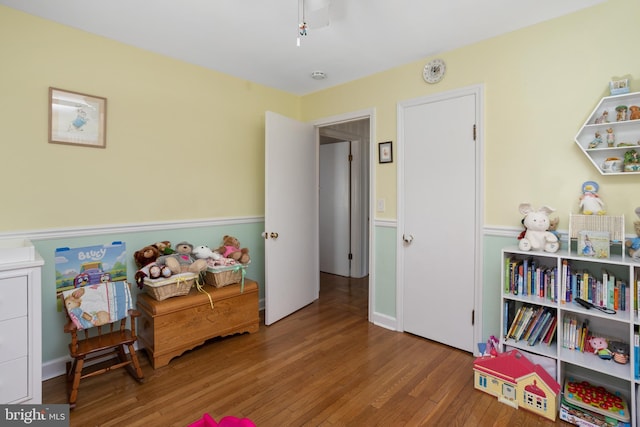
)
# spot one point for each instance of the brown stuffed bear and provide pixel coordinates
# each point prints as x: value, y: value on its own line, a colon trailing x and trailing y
x: 164, y: 247
x: 231, y: 249
x: 182, y: 261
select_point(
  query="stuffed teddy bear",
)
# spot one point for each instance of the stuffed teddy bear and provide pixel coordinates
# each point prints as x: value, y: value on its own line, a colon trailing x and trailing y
x: 537, y: 236
x: 182, y: 261
x: 590, y: 202
x: 230, y: 248
x: 145, y: 259
x: 633, y: 245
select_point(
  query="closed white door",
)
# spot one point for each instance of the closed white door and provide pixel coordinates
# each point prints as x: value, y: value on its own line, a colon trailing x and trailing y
x: 335, y: 216
x: 291, y: 216
x: 439, y: 217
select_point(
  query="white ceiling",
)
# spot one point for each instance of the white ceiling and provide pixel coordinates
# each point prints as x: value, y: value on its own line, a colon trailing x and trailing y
x: 256, y: 39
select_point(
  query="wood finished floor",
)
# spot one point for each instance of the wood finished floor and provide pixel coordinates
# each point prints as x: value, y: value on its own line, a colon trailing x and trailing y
x: 325, y: 365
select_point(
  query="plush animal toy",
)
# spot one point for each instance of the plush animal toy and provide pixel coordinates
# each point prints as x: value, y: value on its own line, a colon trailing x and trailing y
x: 600, y: 347
x: 231, y: 249
x: 164, y: 247
x: 537, y: 236
x: 145, y: 259
x: 183, y: 261
x: 590, y: 202
x: 633, y: 245
x: 204, y: 252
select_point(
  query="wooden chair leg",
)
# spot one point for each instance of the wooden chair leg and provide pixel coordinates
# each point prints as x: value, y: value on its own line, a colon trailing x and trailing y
x: 75, y: 382
x: 136, y: 365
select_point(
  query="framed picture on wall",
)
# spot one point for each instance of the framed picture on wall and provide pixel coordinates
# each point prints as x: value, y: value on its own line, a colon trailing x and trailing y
x: 385, y: 152
x: 77, y: 119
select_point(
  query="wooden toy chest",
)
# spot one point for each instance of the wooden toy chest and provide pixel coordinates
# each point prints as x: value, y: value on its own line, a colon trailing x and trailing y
x: 170, y: 327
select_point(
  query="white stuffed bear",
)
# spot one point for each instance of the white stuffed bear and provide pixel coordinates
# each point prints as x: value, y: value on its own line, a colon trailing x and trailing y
x: 204, y: 252
x: 537, y: 237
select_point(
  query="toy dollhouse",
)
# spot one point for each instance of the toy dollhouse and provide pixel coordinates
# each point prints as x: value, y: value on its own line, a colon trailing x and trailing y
x: 518, y: 382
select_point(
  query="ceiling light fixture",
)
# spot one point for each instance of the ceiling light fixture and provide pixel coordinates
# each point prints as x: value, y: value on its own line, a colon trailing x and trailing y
x: 318, y: 75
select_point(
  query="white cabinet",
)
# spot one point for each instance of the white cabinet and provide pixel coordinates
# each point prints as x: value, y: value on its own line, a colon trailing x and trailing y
x: 556, y: 297
x: 624, y: 135
x: 20, y: 326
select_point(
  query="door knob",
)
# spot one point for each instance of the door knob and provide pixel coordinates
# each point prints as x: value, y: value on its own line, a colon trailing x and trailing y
x: 407, y: 238
x: 274, y: 235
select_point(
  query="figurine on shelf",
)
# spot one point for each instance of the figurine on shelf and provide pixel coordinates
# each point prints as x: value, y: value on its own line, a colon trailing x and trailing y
x: 604, y: 118
x: 590, y: 202
x: 611, y: 138
x: 621, y: 113
x: 596, y: 141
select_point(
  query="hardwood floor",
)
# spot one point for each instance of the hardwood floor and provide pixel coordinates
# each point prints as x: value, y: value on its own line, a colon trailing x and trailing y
x: 325, y: 365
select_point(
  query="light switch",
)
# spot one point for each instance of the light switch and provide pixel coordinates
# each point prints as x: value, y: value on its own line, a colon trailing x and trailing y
x: 380, y: 205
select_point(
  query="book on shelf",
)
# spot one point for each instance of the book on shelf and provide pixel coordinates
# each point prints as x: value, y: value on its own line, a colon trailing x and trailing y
x: 535, y: 317
x: 548, y: 339
x: 515, y: 321
x: 539, y: 327
x: 636, y: 351
x: 594, y: 244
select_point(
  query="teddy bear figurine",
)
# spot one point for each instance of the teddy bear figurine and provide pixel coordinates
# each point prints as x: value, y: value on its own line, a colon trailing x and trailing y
x: 537, y: 235
x: 183, y: 261
x: 590, y: 202
x: 633, y: 245
x: 230, y: 248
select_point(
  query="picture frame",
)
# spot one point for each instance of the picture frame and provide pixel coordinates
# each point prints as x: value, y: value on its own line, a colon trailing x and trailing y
x: 618, y: 87
x: 77, y: 119
x: 385, y: 152
x: 594, y: 244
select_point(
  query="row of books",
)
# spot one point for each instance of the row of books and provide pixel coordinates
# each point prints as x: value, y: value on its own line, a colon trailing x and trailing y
x: 526, y: 277
x: 603, y: 290
x: 575, y: 334
x: 636, y: 354
x: 533, y: 324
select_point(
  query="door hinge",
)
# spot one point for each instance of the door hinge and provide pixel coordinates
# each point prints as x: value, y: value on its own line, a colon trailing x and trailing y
x: 351, y: 157
x: 473, y: 317
x: 474, y: 132
x: 350, y: 256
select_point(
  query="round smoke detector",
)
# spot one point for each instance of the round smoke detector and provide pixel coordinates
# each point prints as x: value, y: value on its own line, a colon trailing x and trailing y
x: 318, y: 75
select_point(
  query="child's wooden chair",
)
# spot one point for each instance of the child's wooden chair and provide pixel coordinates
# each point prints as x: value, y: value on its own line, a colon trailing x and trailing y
x: 97, y: 317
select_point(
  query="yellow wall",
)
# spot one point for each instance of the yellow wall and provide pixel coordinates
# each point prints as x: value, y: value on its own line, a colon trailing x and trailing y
x: 175, y: 131
x: 541, y: 83
x: 178, y: 136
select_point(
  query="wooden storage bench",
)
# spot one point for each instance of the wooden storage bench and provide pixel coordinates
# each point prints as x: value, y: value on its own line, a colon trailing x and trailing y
x: 170, y: 327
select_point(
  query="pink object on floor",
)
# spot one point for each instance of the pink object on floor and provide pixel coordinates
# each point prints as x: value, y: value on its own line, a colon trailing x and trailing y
x: 229, y: 421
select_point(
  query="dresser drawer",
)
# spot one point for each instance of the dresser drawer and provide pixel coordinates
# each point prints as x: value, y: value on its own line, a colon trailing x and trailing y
x: 13, y: 297
x: 13, y: 339
x: 14, y: 380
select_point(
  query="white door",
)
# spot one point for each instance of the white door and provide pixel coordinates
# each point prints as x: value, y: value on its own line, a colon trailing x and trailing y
x: 291, y: 216
x: 335, y: 203
x: 439, y: 205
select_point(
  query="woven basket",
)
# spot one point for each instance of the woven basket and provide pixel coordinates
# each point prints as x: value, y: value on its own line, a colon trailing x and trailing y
x: 174, y: 286
x: 223, y: 276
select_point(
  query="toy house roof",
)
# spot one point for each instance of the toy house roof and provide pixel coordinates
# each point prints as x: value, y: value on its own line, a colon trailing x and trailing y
x: 512, y: 366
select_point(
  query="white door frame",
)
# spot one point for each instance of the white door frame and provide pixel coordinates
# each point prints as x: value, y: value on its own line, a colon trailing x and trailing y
x: 478, y: 91
x: 348, y: 117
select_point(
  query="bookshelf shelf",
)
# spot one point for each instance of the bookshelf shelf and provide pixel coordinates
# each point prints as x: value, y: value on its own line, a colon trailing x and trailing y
x: 549, y: 283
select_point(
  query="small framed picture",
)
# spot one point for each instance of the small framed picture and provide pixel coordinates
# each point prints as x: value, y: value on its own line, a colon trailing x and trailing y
x: 77, y: 119
x: 617, y: 87
x: 385, y: 152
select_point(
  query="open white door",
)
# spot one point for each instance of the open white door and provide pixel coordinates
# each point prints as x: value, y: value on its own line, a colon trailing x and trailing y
x: 291, y: 216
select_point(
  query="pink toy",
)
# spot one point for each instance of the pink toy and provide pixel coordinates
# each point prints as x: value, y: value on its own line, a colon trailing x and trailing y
x: 229, y: 421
